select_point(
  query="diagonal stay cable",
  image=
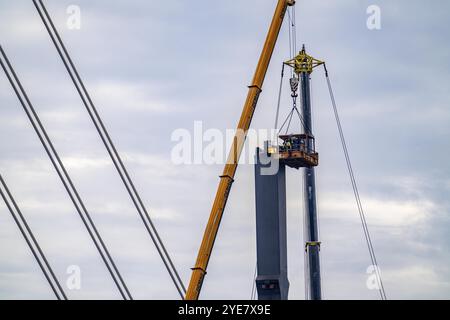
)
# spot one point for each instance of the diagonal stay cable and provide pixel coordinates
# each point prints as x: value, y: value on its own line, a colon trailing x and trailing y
x: 29, y: 237
x: 109, y: 145
x: 355, y: 189
x: 63, y: 175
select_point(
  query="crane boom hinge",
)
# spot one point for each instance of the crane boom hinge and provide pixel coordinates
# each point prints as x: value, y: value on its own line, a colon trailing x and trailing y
x: 255, y: 86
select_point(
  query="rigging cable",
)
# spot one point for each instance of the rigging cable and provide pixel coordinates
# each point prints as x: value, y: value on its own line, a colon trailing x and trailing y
x: 29, y: 237
x: 63, y: 175
x: 355, y: 189
x: 294, y: 80
x: 253, y: 295
x: 290, y: 34
x: 294, y: 88
x: 110, y: 147
x: 279, y: 98
x: 294, y: 31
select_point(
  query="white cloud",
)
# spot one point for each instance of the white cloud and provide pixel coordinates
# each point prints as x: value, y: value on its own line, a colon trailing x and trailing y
x: 126, y: 97
x: 86, y: 163
x: 418, y: 280
x: 378, y: 212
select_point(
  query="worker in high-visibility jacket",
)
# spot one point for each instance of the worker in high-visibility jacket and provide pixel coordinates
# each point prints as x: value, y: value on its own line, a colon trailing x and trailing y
x: 288, y: 144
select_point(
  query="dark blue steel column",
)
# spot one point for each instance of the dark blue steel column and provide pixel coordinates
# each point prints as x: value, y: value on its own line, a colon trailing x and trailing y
x: 270, y: 195
x: 312, y: 245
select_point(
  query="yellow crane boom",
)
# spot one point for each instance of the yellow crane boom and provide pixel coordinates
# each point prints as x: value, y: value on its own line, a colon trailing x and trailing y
x: 227, y: 178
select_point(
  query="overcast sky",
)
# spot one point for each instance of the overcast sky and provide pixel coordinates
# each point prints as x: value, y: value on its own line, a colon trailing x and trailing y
x: 153, y: 67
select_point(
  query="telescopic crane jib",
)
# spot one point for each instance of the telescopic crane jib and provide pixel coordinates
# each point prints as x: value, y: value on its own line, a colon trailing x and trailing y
x: 227, y: 178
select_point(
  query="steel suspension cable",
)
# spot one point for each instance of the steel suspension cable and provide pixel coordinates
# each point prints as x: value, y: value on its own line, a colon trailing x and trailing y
x: 110, y: 147
x: 253, y: 295
x: 290, y: 35
x: 289, y: 118
x: 31, y: 241
x: 355, y: 188
x: 279, y: 98
x: 294, y: 31
x: 63, y: 175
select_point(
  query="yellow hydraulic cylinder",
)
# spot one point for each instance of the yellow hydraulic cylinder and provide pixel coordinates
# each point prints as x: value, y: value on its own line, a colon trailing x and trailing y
x: 227, y: 178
